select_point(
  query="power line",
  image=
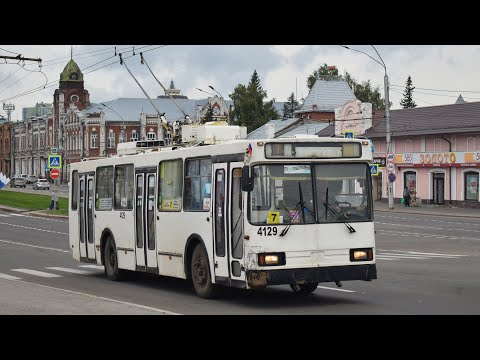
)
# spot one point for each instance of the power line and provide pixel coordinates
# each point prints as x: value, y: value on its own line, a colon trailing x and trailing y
x: 416, y: 98
x: 11, y: 52
x: 456, y: 91
x: 55, y: 82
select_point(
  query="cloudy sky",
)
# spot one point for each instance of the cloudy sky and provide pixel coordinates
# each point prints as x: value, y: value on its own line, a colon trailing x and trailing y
x: 283, y: 69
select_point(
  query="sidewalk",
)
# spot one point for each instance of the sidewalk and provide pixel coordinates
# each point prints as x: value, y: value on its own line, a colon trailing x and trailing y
x: 438, y: 210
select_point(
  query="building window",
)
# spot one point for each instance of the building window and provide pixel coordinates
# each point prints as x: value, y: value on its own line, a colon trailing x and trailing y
x: 471, y: 185
x: 134, y: 136
x: 94, y: 143
x: 198, y: 176
x: 438, y: 145
x: 170, y: 185
x: 122, y: 136
x: 408, y: 145
x: 124, y: 181
x: 471, y: 144
x: 111, y: 140
x: 151, y: 136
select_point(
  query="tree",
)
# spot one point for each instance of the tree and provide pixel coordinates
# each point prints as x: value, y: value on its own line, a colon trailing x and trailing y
x: 250, y: 110
x: 208, y: 115
x: 407, y: 101
x: 290, y: 106
x: 324, y: 70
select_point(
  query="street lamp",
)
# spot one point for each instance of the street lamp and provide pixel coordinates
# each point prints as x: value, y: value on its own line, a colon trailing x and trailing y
x: 209, y: 93
x: 221, y: 97
x: 123, y: 128
x: 387, y: 114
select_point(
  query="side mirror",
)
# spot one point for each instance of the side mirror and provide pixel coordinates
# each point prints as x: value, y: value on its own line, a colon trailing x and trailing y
x: 247, y: 181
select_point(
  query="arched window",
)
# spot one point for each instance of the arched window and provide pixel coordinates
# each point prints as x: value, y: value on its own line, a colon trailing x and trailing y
x: 151, y: 135
x: 471, y: 185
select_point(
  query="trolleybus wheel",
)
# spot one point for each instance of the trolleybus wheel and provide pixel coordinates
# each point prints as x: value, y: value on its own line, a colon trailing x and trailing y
x: 111, y: 261
x: 201, y: 278
x: 304, y: 289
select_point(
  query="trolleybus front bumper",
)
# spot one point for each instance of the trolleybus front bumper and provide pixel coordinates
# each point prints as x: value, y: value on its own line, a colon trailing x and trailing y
x: 261, y: 278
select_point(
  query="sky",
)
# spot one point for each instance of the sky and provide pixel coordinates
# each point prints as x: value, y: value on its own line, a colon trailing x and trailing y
x: 282, y: 69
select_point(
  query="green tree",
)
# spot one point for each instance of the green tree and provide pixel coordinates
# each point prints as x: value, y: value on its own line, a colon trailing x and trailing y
x: 407, y: 101
x: 324, y: 70
x: 208, y: 115
x: 250, y: 110
x: 290, y: 106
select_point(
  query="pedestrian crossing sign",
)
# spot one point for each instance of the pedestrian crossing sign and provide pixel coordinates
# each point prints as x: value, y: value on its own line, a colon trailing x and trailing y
x: 54, y: 161
x: 374, y: 169
x: 348, y: 135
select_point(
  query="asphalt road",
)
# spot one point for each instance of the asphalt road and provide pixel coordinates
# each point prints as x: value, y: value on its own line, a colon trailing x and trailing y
x: 426, y: 265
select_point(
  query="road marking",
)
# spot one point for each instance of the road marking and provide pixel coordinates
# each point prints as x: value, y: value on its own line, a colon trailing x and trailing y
x: 68, y: 270
x: 381, y: 258
x: 34, y: 246
x: 427, y: 227
x: 8, y: 277
x: 37, y: 273
x: 423, y: 220
x: 31, y: 228
x: 4, y: 215
x: 402, y: 257
x: 422, y: 253
x: 329, y: 288
x: 397, y: 232
x: 41, y: 218
x: 98, y: 267
x: 164, y: 312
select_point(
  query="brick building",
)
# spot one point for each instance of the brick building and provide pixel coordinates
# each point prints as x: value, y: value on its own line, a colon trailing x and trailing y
x: 5, y: 148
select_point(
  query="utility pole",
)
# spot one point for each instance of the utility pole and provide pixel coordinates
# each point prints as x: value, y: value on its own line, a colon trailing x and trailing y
x: 387, y: 116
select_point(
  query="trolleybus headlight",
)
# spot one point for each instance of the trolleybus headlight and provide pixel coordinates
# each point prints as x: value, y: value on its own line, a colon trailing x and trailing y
x: 361, y: 254
x: 271, y: 259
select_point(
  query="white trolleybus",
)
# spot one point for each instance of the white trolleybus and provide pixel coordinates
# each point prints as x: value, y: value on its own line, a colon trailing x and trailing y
x: 245, y: 214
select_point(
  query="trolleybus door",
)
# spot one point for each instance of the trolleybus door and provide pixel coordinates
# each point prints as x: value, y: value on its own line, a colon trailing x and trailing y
x: 235, y: 223
x: 220, y: 222
x: 145, y: 243
x: 86, y: 211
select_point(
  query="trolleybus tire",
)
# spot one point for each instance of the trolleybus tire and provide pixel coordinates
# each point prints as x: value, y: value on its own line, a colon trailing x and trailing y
x: 304, y: 289
x: 111, y: 261
x: 201, y: 277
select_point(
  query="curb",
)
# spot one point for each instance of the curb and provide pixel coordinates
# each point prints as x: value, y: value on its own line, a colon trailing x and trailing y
x: 427, y: 213
x: 31, y: 212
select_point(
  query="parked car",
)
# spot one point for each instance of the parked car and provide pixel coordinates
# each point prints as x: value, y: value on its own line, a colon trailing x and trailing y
x: 24, y: 176
x: 31, y: 179
x: 41, y: 184
x: 18, y: 182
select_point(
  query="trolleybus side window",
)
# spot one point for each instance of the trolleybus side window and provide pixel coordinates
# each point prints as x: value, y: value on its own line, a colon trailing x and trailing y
x: 104, y: 193
x: 74, y: 190
x: 198, y: 176
x: 170, y: 185
x: 124, y: 184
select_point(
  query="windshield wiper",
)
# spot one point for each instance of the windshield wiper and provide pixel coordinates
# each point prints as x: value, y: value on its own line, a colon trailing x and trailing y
x: 300, y: 205
x: 337, y: 215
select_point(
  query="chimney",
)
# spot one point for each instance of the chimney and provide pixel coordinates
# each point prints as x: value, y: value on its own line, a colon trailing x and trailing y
x: 270, y: 130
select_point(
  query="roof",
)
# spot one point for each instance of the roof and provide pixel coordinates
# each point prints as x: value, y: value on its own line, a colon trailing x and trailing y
x: 308, y: 127
x: 129, y: 109
x: 460, y: 100
x: 442, y: 119
x: 327, y: 95
x: 70, y: 68
x: 261, y: 132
